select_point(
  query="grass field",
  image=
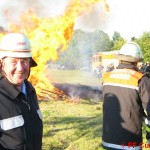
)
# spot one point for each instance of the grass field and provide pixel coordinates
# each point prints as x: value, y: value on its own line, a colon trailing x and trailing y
x: 72, y: 76
x: 71, y: 126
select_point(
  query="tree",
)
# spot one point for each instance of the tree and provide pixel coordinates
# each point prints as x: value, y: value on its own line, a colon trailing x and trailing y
x: 144, y: 43
x: 118, y: 41
x: 82, y: 46
x: 116, y: 36
x: 104, y: 42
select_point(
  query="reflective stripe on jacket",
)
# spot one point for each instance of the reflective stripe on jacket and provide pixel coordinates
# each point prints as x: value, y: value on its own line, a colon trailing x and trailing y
x: 122, y: 147
x: 123, y: 78
x: 11, y: 123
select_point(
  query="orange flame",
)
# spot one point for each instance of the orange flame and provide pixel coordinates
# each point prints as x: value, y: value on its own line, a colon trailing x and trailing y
x: 50, y: 36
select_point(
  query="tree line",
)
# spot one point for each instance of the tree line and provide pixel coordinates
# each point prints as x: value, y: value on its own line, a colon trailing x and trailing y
x: 84, y: 44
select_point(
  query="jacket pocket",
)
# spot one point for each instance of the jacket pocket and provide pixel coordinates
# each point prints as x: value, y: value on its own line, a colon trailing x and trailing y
x: 11, y: 123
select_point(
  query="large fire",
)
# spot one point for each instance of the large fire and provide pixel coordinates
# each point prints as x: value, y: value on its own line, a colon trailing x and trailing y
x: 49, y: 37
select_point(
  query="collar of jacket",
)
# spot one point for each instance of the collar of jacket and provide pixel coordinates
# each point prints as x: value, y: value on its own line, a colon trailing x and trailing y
x: 127, y: 66
x: 9, y: 89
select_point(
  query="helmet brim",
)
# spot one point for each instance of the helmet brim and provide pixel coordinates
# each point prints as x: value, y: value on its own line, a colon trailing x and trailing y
x: 127, y: 58
x: 19, y: 55
x: 33, y: 62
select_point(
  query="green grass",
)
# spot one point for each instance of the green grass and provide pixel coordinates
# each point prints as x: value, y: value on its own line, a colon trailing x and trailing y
x: 72, y: 76
x: 71, y: 126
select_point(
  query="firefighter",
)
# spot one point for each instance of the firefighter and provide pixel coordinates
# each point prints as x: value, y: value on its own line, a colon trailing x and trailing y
x: 126, y: 94
x: 141, y: 67
x: 21, y: 124
x: 147, y: 69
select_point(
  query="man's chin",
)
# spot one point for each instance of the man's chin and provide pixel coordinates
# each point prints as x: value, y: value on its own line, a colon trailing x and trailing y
x: 19, y: 82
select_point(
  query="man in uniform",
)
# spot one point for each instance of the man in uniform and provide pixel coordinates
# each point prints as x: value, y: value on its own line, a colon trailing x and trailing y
x: 126, y: 94
x: 20, y: 117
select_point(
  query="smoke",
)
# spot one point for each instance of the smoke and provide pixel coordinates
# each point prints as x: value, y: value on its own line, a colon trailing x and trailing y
x: 96, y: 19
x: 80, y: 91
x: 11, y: 12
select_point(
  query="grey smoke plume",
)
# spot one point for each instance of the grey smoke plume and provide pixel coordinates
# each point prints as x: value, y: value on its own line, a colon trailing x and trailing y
x: 11, y: 12
x: 96, y: 19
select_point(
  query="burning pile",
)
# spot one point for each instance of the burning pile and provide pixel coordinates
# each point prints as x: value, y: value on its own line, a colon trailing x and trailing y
x: 49, y: 37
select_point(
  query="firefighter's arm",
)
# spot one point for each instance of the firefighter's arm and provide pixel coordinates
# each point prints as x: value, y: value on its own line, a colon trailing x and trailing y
x: 148, y: 131
x: 147, y: 123
x: 144, y: 90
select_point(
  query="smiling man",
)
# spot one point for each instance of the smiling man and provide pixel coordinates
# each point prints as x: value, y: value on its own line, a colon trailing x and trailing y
x: 20, y: 117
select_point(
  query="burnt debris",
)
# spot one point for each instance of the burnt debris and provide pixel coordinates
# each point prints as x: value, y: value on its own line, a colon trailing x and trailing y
x: 81, y: 91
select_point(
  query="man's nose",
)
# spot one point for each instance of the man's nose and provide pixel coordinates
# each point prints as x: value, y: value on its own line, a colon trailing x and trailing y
x: 19, y: 66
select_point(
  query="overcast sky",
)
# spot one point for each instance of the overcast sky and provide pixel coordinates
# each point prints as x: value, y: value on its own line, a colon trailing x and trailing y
x: 128, y: 17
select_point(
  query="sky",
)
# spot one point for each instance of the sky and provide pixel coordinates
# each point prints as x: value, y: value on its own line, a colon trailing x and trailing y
x: 128, y: 17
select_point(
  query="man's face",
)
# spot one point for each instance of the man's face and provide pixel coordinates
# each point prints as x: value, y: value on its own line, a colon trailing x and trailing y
x: 16, y: 69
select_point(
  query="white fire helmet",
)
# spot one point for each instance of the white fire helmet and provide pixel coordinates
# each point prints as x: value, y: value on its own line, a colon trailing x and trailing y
x: 130, y: 52
x: 15, y: 45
